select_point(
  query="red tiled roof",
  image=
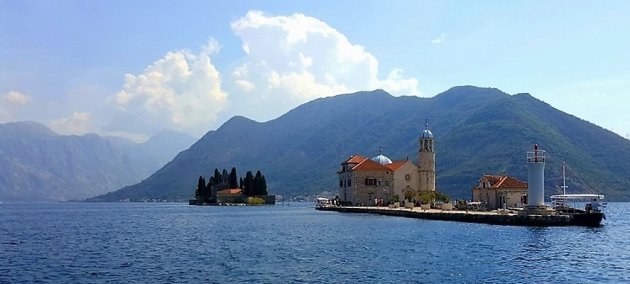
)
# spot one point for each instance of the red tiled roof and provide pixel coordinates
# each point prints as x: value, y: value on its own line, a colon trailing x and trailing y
x: 497, y: 181
x: 369, y: 165
x: 396, y: 164
x: 231, y: 191
x: 356, y: 159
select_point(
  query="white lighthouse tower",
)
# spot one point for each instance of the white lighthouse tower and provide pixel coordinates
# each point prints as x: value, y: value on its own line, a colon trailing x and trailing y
x: 536, y: 181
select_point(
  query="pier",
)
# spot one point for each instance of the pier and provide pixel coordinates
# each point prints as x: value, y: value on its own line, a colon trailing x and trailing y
x: 491, y: 217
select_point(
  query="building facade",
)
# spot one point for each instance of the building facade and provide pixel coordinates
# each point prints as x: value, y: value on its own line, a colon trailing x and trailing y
x: 378, y: 180
x: 499, y: 191
x: 364, y: 182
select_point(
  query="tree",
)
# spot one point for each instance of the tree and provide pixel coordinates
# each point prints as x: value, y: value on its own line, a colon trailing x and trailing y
x: 240, y: 183
x: 248, y: 188
x: 201, y: 188
x: 210, y: 181
x: 224, y: 176
x: 217, y: 177
x: 232, y: 178
x: 409, y: 194
x: 258, y: 183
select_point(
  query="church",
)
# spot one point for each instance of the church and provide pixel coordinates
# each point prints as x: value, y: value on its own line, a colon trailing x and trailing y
x: 379, y: 180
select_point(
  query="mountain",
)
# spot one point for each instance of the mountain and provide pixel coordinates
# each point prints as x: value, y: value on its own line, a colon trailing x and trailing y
x: 477, y: 131
x: 37, y: 164
x: 151, y: 155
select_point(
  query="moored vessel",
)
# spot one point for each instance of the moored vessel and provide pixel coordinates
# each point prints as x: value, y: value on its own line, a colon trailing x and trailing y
x: 570, y: 204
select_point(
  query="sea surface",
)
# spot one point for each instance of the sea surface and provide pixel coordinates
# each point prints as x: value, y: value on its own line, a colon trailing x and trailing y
x: 175, y: 243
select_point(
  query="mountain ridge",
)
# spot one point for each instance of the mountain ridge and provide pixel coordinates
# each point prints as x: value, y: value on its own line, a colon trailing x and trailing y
x: 477, y: 130
x: 37, y: 164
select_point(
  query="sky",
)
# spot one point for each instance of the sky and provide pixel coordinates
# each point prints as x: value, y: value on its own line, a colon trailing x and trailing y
x: 134, y: 68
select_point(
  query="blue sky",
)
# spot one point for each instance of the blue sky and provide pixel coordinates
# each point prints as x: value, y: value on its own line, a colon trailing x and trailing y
x: 132, y: 68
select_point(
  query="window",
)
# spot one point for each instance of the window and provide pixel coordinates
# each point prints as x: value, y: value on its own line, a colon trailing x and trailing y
x: 341, y: 183
x: 380, y: 182
x: 370, y: 181
x: 349, y: 182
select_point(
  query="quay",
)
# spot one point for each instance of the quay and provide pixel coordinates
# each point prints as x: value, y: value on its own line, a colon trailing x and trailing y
x: 492, y: 217
x: 381, y: 181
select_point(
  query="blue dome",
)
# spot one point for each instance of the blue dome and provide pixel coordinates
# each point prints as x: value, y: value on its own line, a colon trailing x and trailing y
x: 427, y: 134
x: 381, y: 159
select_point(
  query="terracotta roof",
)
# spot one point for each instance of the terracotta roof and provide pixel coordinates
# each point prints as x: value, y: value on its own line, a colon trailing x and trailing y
x: 231, y: 191
x: 497, y: 181
x: 396, y: 164
x: 356, y: 159
x: 369, y: 165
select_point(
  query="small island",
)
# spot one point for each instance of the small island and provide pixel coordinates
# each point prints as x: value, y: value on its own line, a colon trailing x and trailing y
x: 225, y: 188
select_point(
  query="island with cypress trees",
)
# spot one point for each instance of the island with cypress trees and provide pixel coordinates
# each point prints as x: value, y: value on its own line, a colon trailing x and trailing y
x: 225, y: 188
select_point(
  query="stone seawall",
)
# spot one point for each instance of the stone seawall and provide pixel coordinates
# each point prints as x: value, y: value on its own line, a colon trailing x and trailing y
x: 461, y: 216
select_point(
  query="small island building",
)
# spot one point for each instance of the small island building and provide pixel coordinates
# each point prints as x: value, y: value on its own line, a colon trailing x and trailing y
x: 500, y: 191
x: 379, y: 180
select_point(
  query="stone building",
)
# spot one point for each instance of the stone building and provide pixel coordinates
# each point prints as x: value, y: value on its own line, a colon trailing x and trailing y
x: 379, y: 180
x: 499, y: 191
x: 364, y: 182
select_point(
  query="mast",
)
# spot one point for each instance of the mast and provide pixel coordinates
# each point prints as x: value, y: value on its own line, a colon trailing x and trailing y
x: 564, y: 180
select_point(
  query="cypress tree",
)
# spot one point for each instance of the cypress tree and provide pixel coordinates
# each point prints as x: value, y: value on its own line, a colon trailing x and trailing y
x: 210, y: 180
x: 257, y: 183
x: 240, y: 183
x: 224, y: 176
x: 232, y: 179
x: 201, y: 188
x: 217, y: 177
x: 249, y: 184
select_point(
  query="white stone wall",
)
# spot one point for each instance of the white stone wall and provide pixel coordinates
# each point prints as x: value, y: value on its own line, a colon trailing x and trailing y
x: 401, y: 182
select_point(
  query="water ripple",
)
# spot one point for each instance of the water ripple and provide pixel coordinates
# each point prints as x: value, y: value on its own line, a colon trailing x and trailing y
x: 176, y: 243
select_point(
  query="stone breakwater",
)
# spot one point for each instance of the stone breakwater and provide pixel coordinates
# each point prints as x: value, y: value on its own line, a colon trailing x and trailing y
x: 493, y: 218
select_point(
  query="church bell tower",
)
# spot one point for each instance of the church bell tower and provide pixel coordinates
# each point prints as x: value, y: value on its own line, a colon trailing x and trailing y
x: 426, y: 160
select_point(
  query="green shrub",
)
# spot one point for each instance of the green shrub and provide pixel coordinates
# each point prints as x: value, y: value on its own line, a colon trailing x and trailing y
x: 255, y: 201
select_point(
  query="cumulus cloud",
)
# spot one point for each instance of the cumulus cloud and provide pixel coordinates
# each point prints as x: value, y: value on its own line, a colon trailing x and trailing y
x: 180, y: 91
x: 77, y: 123
x: 297, y: 58
x: 10, y: 104
x: 15, y: 97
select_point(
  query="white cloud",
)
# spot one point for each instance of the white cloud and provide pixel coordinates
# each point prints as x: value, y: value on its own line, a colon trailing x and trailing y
x: 180, y: 91
x: 439, y: 40
x: 292, y: 59
x: 397, y: 84
x: 78, y: 123
x: 245, y: 86
x: 15, y: 97
x: 11, y: 103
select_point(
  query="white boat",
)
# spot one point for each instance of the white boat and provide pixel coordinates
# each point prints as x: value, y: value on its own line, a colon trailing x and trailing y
x: 564, y: 203
x: 323, y: 202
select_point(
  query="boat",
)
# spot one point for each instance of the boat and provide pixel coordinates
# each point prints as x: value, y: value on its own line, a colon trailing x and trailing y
x: 565, y: 204
x: 323, y: 202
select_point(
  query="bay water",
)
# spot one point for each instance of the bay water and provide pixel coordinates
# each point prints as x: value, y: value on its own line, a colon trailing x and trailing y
x: 294, y: 243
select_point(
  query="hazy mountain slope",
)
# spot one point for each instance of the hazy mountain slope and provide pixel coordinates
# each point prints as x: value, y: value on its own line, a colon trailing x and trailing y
x: 477, y: 131
x: 150, y: 156
x: 36, y: 164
